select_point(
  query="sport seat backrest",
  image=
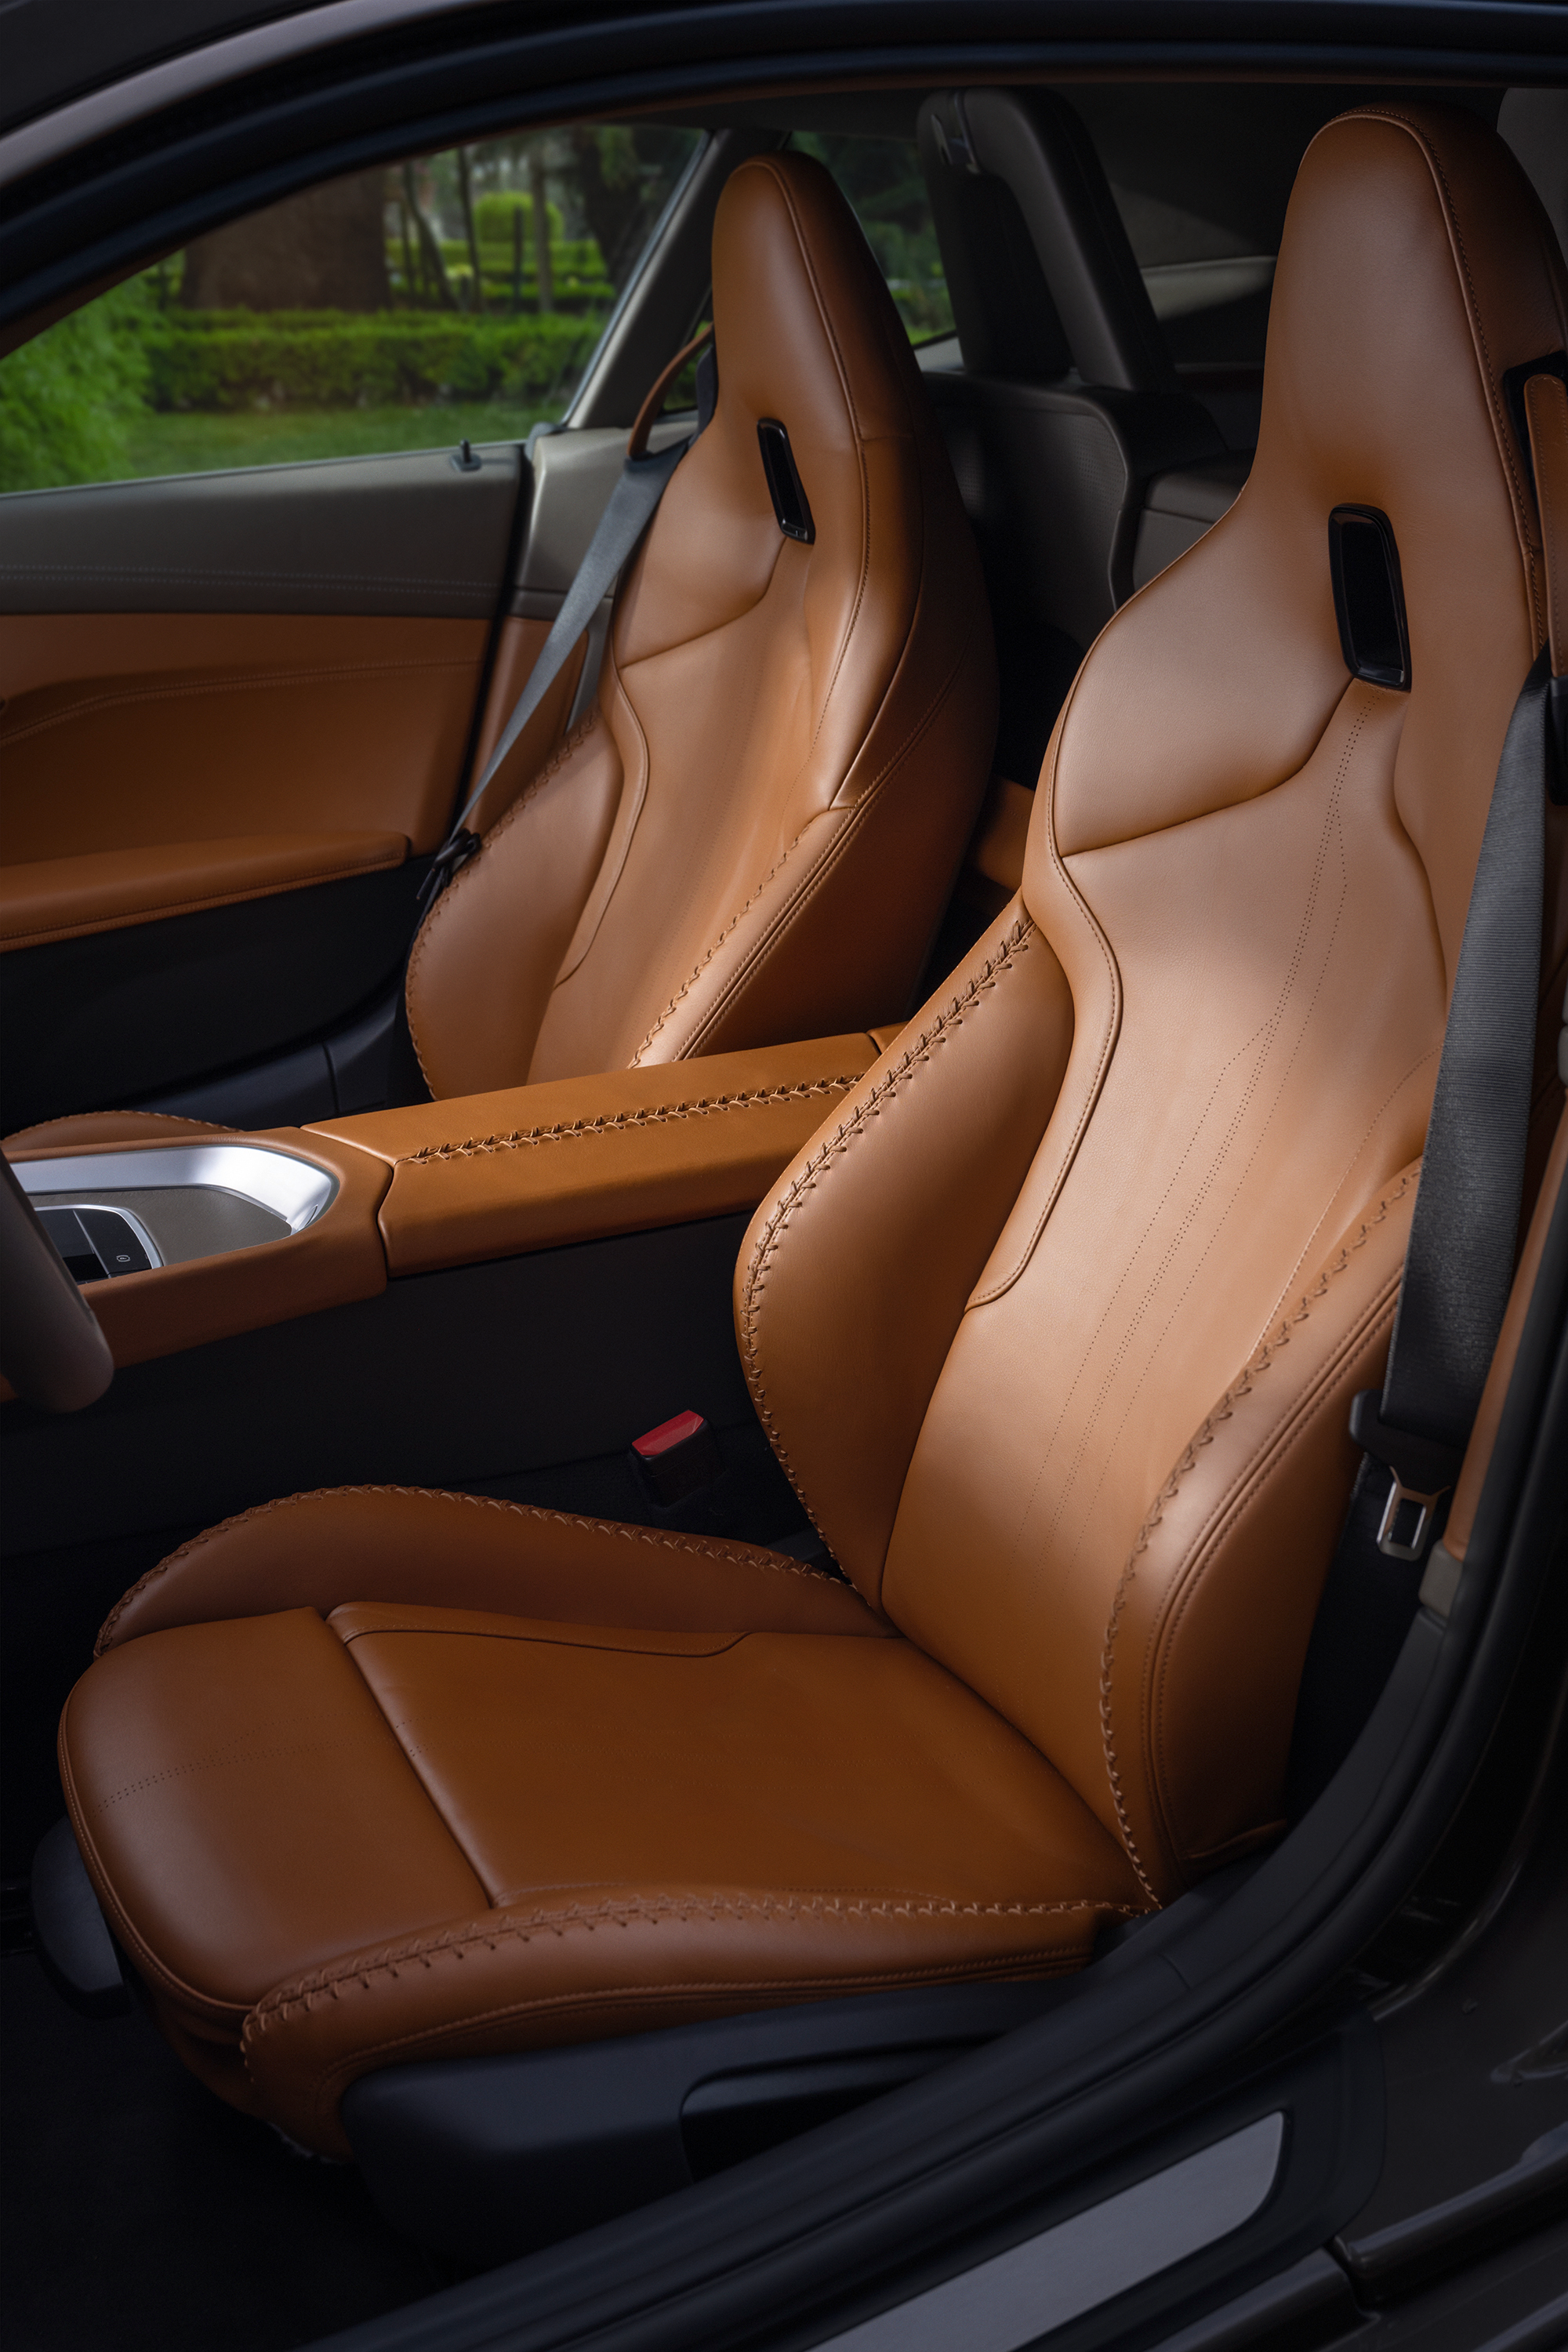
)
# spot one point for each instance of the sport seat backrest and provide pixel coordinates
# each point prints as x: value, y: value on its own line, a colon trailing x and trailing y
x: 1056, y: 1331
x: 752, y: 837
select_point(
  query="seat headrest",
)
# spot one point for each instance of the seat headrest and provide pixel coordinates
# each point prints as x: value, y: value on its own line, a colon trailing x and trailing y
x: 805, y: 328
x: 806, y: 333
x: 1416, y: 271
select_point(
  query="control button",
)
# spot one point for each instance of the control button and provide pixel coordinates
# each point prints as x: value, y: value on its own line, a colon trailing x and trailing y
x: 113, y: 1238
x: 64, y: 1228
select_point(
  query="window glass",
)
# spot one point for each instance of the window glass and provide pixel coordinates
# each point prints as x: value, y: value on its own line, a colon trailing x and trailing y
x: 458, y: 295
x: 886, y: 192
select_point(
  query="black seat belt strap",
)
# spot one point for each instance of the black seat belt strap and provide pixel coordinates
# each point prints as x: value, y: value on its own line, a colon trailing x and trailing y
x: 641, y: 484
x: 1459, y: 1265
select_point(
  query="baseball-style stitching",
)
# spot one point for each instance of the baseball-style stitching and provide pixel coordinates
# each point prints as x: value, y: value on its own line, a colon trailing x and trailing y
x: 1015, y: 943
x: 1496, y: 407
x: 569, y: 744
x: 624, y: 1123
x: 1258, y: 1364
x: 332, y: 1983
x: 836, y: 848
x: 660, y: 1539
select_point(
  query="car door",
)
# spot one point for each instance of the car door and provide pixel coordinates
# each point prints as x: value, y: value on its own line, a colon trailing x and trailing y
x: 241, y: 698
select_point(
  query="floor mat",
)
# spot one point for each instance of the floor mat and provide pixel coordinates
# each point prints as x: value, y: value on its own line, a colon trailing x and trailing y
x: 143, y: 2215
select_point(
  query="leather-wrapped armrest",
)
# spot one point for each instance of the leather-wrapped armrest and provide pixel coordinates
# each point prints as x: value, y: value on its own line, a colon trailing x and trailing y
x: 485, y: 1176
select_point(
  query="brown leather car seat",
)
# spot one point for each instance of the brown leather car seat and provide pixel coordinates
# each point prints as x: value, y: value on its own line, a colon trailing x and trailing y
x: 1056, y: 1329
x: 752, y: 835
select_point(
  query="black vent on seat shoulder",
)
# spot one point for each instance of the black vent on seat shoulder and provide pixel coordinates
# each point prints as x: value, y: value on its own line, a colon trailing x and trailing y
x: 1369, y: 596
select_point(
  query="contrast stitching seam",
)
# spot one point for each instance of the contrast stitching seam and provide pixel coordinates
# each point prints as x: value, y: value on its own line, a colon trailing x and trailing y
x: 835, y: 850
x: 623, y: 1122
x: 166, y: 1118
x: 652, y: 1911
x: 199, y: 687
x: 1015, y: 944
x: 659, y: 1538
x: 448, y: 897
x: 1107, y: 1044
x: 1208, y: 1428
x: 1273, y: 1447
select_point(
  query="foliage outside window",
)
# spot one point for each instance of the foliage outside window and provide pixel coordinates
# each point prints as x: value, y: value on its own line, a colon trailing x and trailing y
x: 458, y: 295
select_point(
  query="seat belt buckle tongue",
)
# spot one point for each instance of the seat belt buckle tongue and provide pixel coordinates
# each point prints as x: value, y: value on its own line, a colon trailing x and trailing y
x: 1422, y: 1470
x: 454, y: 852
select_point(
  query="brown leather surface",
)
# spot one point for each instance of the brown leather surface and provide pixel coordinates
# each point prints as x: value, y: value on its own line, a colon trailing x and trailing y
x: 469, y: 1551
x: 1254, y: 877
x: 753, y: 839
x: 762, y: 1813
x: 1055, y: 1323
x: 519, y: 644
x: 337, y: 1258
x: 60, y: 898
x: 98, y: 1130
x: 530, y: 1168
x: 1461, y: 1522
x: 127, y: 731
x: 286, y: 1825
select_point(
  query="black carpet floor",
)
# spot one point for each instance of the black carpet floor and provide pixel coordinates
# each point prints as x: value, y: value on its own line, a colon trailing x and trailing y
x: 139, y: 2214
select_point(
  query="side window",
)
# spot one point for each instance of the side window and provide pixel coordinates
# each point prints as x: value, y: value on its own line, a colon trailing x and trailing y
x: 886, y: 193
x: 458, y: 295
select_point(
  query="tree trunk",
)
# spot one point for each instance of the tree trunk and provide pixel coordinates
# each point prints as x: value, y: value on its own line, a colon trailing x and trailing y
x: 466, y: 192
x: 544, y: 282
x: 325, y: 250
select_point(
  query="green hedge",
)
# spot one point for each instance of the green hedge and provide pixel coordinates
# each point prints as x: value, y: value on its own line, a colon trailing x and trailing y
x: 70, y: 396
x: 330, y: 358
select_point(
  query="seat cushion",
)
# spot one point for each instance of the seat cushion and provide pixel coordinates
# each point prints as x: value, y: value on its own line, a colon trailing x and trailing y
x: 408, y: 1829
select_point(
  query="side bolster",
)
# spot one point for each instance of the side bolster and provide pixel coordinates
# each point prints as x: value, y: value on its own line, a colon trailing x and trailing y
x: 616, y: 1962
x: 410, y: 1544
x: 1209, y: 1628
x: 855, y: 1275
x: 486, y: 957
x: 834, y: 933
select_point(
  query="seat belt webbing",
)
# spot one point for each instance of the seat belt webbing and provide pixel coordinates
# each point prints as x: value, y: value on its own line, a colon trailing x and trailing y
x: 642, y: 482
x: 1459, y: 1265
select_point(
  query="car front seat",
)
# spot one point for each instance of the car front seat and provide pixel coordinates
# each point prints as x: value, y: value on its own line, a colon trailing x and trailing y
x: 752, y: 835
x: 1056, y: 1329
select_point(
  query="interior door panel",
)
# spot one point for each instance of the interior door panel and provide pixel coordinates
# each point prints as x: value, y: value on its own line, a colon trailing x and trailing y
x: 236, y: 712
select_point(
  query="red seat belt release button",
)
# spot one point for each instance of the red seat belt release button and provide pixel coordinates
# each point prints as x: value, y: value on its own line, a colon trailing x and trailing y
x: 677, y: 1459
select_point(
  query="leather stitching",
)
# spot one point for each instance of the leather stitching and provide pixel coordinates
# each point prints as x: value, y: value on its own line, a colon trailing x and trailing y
x: 659, y: 1538
x: 1266, y: 1038
x: 165, y: 1118
x: 423, y: 1951
x: 1108, y: 1040
x: 1270, y: 1454
x: 835, y: 850
x: 1015, y: 944
x: 623, y: 1122
x: 568, y: 745
x: 1495, y: 406
x: 261, y: 679
x: 1259, y: 1362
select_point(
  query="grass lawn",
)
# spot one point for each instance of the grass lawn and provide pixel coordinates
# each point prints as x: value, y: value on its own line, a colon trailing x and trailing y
x: 197, y: 442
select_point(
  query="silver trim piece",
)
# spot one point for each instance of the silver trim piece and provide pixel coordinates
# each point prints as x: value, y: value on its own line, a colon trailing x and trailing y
x: 1048, y: 2279
x: 292, y: 1189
